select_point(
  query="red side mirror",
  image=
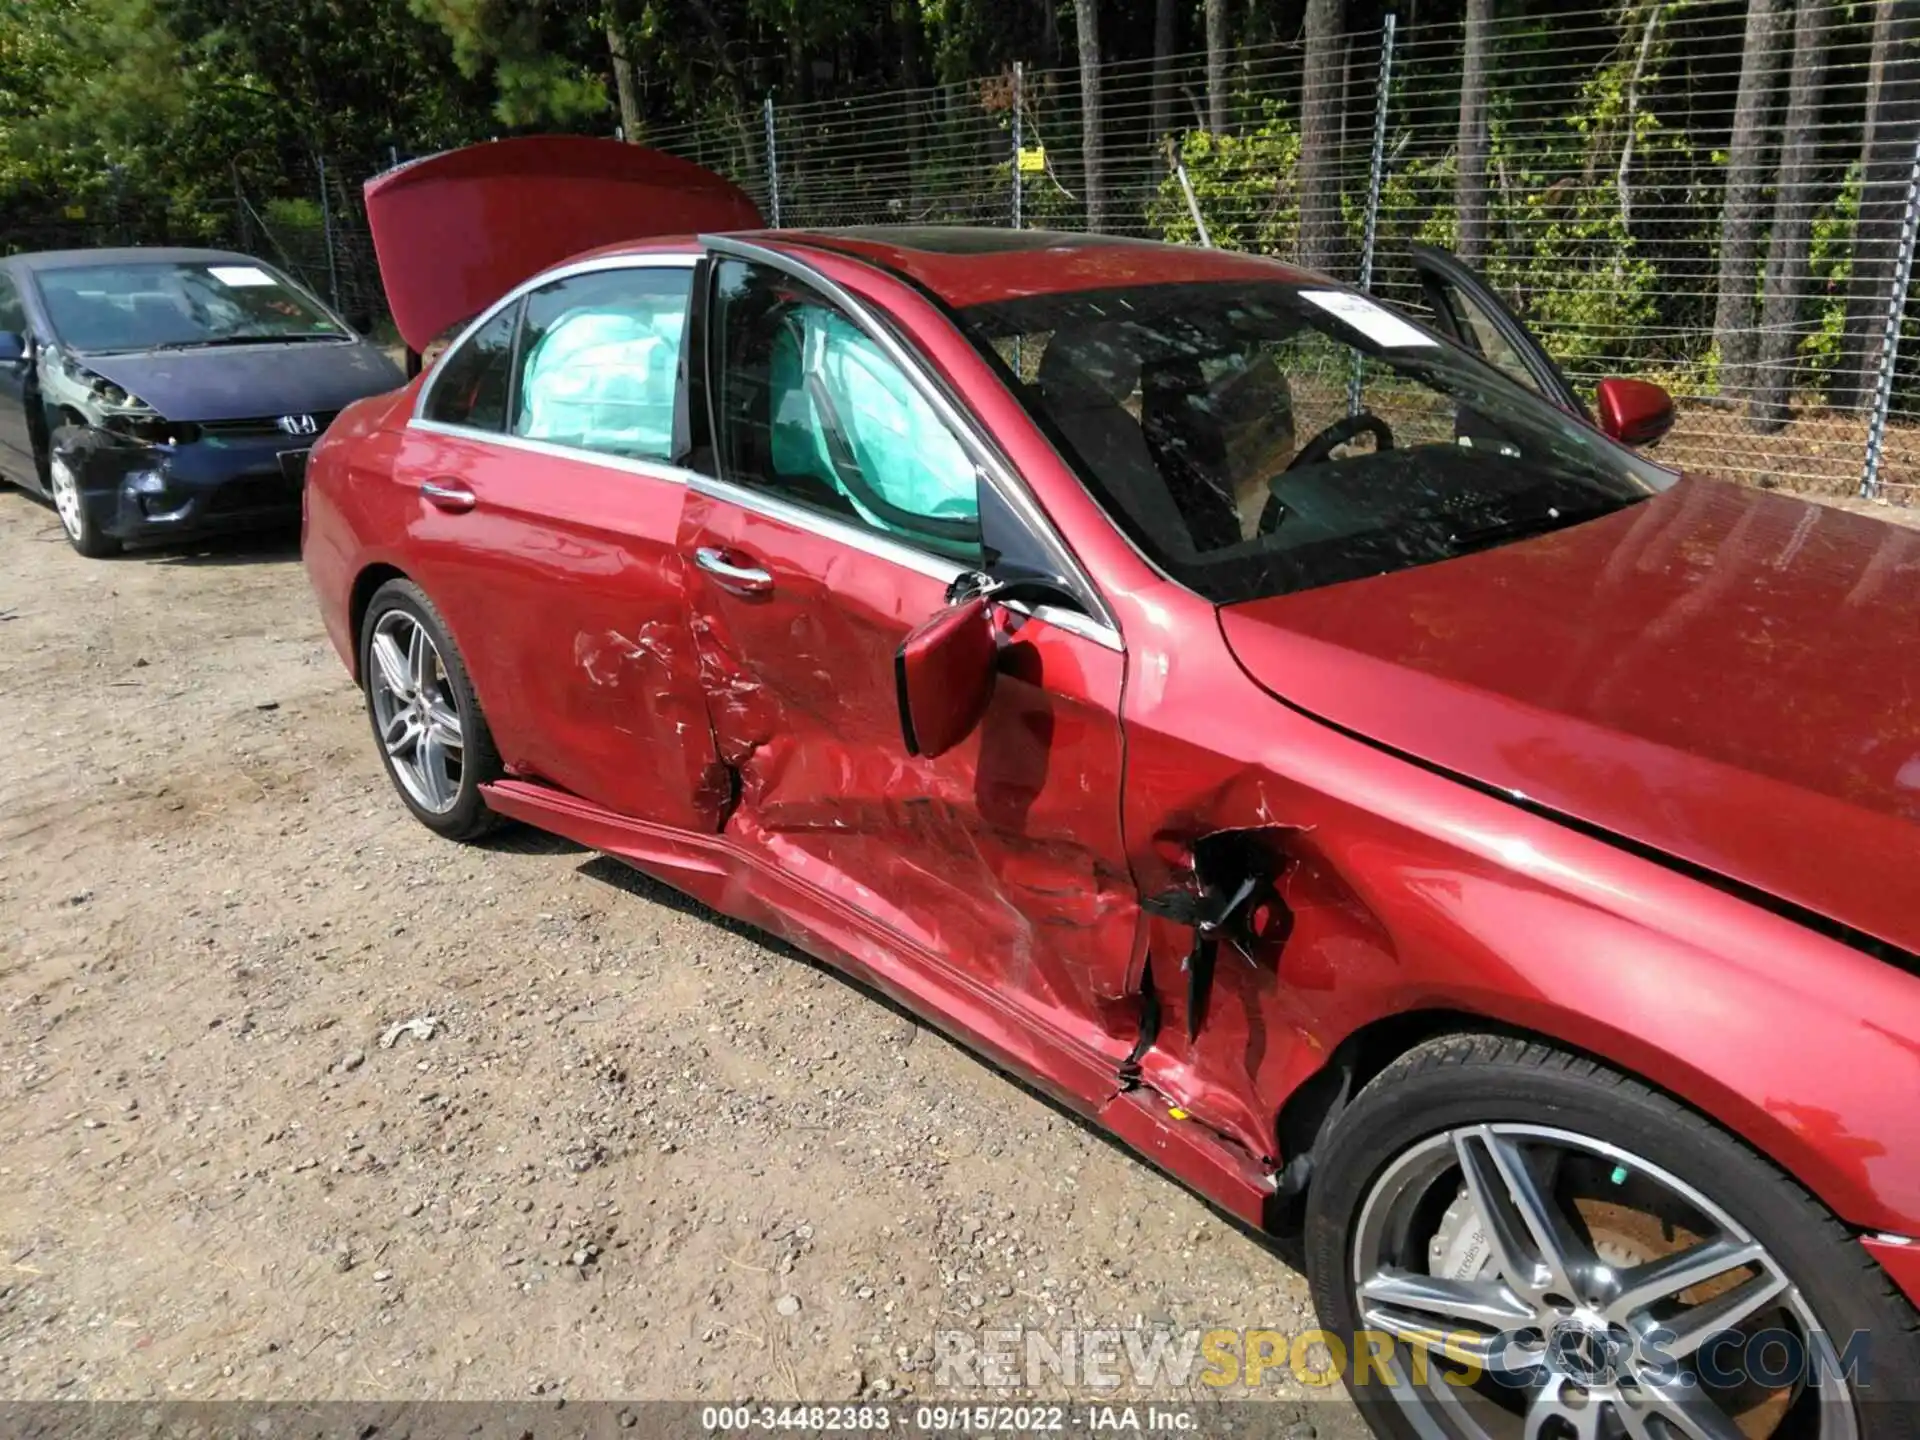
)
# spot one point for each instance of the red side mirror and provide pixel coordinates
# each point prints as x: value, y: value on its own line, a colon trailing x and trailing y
x: 1634, y: 412
x: 944, y: 675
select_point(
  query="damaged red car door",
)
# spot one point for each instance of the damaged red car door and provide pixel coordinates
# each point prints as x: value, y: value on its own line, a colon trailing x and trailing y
x: 537, y: 486
x: 543, y: 511
x: 844, y: 511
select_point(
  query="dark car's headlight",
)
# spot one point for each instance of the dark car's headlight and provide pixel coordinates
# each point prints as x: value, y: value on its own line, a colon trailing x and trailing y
x: 114, y: 401
x: 125, y: 413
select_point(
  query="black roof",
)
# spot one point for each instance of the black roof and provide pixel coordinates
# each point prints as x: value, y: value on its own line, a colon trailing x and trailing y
x: 124, y: 255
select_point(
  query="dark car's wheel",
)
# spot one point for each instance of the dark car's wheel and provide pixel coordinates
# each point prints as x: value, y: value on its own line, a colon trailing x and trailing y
x: 1604, y: 1263
x: 433, y: 739
x: 83, y: 532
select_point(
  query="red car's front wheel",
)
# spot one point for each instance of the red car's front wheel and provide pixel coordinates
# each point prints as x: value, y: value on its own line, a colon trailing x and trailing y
x: 1519, y: 1244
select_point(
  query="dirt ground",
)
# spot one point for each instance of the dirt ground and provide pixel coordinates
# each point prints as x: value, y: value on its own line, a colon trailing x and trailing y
x: 643, y: 1154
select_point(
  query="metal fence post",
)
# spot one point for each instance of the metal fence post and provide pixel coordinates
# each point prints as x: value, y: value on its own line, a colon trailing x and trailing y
x: 1019, y: 90
x: 326, y: 232
x: 1890, y: 340
x: 773, y: 166
x: 1376, y: 175
x: 1193, y: 201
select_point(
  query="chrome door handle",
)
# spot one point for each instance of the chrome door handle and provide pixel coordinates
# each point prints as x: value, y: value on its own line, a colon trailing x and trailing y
x: 449, y: 495
x: 741, y: 579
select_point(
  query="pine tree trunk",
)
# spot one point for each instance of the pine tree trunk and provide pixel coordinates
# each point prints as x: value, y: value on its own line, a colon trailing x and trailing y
x: 1163, y: 17
x: 1746, y: 181
x: 1886, y: 161
x: 1793, y: 204
x: 906, y: 17
x: 1216, y: 16
x: 633, y: 126
x: 1086, y: 22
x: 1470, y: 181
x: 1320, y: 228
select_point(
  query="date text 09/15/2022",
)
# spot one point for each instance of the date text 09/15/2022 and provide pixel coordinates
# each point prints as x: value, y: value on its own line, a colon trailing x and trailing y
x: 963, y: 1419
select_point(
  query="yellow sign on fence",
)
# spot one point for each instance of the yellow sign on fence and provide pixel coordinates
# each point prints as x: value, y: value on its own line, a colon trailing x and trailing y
x: 1034, y: 161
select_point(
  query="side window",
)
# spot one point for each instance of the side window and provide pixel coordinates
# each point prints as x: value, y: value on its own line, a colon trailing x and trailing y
x: 600, y: 361
x: 13, y: 314
x: 471, y: 385
x: 810, y: 409
x: 1485, y: 336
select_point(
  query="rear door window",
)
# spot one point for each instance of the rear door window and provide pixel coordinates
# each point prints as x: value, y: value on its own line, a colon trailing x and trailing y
x: 474, y: 381
x: 600, y: 359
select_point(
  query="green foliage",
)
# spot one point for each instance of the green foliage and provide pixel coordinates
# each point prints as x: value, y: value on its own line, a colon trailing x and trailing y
x: 1243, y: 185
x: 1562, y: 249
x: 1830, y: 261
x: 535, y: 78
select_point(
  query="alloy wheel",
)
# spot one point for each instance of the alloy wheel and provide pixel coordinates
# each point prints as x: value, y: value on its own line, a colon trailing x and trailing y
x: 1590, y: 1296
x: 66, y: 497
x: 414, y: 712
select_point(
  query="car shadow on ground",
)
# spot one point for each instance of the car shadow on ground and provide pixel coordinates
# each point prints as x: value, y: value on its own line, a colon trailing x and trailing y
x: 517, y: 839
x: 253, y: 547
x: 1284, y: 1245
x: 274, y: 545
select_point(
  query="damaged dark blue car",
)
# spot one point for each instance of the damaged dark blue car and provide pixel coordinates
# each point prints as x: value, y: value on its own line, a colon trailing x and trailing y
x: 165, y: 394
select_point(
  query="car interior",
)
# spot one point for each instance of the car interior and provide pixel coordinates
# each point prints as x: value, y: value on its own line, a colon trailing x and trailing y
x: 814, y: 411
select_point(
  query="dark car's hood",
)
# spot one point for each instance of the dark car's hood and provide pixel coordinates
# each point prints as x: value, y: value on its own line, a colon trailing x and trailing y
x: 243, y: 382
x: 1728, y: 676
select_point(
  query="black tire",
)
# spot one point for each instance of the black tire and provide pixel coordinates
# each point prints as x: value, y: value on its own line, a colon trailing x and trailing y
x: 468, y: 817
x: 1465, y: 1079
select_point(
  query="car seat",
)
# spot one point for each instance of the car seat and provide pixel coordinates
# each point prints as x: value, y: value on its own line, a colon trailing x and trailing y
x: 1083, y: 378
x: 1189, y: 444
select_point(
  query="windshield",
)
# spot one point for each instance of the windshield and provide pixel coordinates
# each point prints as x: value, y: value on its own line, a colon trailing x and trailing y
x: 151, y: 305
x: 1255, y: 439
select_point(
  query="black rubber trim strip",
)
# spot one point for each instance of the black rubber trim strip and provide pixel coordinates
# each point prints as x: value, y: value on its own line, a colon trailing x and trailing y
x: 903, y: 700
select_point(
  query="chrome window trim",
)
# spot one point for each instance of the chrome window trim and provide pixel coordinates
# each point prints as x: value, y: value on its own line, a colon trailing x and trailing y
x: 817, y: 522
x: 661, y: 470
x: 669, y: 259
x: 1071, y: 621
x: 978, y: 446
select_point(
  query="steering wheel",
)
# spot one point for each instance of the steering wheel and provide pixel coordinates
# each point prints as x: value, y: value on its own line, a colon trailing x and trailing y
x: 1339, y: 433
x: 1316, y: 451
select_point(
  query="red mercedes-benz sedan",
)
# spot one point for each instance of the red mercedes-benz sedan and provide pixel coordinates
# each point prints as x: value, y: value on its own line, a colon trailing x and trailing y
x: 1293, y: 737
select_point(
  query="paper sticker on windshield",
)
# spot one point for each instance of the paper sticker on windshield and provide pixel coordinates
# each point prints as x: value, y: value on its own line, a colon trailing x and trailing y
x: 240, y: 276
x: 1383, y: 327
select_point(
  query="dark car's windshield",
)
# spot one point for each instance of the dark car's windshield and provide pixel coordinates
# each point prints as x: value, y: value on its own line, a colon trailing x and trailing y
x: 148, y: 305
x: 1204, y: 417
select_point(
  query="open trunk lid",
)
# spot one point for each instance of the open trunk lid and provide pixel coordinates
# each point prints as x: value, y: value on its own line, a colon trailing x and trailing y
x: 455, y: 231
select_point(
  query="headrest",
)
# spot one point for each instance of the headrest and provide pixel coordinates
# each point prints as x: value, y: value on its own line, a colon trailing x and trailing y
x: 1089, y: 366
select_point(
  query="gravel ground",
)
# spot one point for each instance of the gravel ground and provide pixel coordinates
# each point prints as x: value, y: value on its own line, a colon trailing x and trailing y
x: 643, y: 1154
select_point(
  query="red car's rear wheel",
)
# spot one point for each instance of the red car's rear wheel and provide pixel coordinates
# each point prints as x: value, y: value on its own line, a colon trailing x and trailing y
x: 433, y: 739
x: 1534, y: 1247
